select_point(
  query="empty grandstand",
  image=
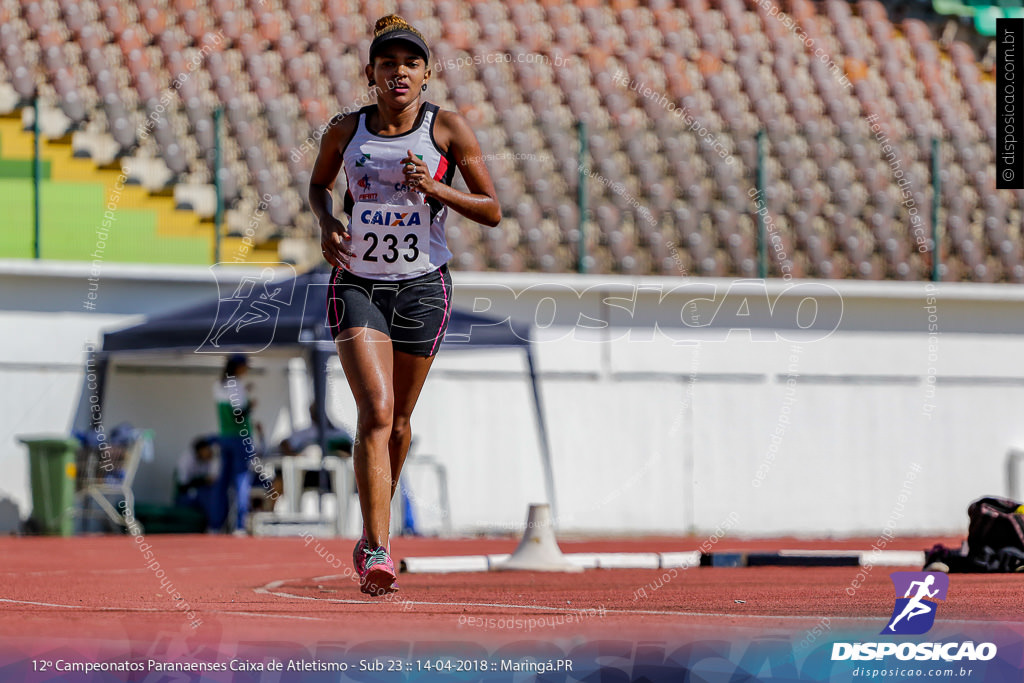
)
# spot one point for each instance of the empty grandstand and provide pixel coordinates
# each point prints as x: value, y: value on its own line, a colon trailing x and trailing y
x: 850, y: 96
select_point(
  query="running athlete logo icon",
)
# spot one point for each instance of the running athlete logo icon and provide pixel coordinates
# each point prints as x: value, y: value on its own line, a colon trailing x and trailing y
x: 914, y: 613
x: 248, y: 316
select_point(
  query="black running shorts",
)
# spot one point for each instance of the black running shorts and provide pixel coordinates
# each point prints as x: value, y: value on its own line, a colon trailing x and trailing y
x: 414, y: 312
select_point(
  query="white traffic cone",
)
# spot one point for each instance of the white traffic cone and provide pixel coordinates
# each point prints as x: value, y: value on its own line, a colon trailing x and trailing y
x: 538, y: 551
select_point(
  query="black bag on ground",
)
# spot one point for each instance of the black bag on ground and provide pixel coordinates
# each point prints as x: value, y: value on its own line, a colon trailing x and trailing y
x: 995, y: 523
x: 995, y: 540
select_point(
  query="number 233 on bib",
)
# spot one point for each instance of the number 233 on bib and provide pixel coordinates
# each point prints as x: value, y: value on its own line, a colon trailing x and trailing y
x: 390, y: 239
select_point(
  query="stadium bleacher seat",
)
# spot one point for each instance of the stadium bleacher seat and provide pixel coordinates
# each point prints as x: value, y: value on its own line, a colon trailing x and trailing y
x: 282, y: 68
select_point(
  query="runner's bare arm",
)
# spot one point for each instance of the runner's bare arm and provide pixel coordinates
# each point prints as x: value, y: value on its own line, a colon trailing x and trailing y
x: 481, y: 203
x: 333, y: 236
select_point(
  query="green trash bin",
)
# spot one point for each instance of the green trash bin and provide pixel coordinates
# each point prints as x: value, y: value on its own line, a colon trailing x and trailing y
x: 51, y: 461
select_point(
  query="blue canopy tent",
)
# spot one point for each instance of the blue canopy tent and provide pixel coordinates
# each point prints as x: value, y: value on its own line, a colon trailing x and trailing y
x: 263, y: 312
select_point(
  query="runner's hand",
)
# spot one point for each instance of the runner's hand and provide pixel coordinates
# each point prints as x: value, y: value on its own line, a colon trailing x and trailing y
x: 335, y: 241
x: 417, y: 175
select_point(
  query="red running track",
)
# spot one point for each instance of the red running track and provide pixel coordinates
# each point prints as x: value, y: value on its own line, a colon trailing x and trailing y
x: 250, y: 588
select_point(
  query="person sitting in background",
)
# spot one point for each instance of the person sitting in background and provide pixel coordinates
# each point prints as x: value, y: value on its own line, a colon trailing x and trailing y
x: 196, y: 478
x: 339, y: 442
x: 338, y: 438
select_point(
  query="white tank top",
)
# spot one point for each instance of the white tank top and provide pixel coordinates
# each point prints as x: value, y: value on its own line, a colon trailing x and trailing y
x: 397, y: 233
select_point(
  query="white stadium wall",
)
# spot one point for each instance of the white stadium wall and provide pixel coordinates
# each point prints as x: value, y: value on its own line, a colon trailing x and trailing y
x: 700, y: 401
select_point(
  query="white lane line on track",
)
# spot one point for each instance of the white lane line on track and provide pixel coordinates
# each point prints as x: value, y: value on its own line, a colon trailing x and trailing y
x: 87, y: 607
x: 271, y: 589
x: 266, y: 615
x: 541, y: 608
x: 269, y: 615
x: 207, y: 567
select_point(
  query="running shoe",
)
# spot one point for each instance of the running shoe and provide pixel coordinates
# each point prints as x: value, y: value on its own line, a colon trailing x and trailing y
x: 378, y: 575
x: 357, y: 552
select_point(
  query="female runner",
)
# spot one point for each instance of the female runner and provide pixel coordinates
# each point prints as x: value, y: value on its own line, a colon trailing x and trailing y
x: 391, y: 293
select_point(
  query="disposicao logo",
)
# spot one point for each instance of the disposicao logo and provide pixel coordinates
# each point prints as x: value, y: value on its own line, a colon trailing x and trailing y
x: 917, y: 596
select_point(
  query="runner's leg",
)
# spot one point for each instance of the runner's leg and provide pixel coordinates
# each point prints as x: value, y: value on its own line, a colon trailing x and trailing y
x: 367, y: 359
x: 410, y: 374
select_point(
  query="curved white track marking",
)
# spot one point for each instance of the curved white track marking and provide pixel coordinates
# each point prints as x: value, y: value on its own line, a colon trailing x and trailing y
x: 271, y: 589
x: 266, y: 615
